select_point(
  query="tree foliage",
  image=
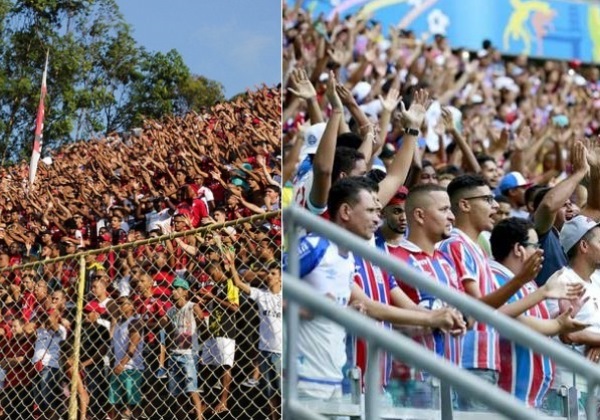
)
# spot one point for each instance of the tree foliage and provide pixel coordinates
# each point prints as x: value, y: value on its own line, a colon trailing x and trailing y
x: 99, y: 79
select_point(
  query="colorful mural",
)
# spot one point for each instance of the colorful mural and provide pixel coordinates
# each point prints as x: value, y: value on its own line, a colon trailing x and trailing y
x: 547, y: 28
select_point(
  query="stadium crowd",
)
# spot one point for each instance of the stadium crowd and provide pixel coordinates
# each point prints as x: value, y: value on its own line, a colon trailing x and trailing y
x: 480, y: 170
x: 163, y: 322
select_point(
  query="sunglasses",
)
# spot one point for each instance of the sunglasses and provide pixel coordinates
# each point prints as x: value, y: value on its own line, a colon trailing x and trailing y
x: 489, y: 198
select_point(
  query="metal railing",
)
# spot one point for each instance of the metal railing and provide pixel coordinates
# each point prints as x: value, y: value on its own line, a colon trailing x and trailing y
x: 507, y: 327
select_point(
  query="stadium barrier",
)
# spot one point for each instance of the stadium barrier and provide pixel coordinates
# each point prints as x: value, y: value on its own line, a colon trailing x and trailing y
x: 298, y: 296
x: 68, y: 321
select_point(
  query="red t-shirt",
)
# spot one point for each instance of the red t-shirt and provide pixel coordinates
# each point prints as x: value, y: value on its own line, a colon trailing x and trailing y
x: 18, y: 346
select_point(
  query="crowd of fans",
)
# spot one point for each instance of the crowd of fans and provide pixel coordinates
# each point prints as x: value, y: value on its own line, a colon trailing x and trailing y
x: 480, y: 170
x: 151, y: 312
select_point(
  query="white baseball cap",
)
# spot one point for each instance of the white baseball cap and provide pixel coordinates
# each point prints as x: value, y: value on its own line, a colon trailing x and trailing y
x: 312, y: 137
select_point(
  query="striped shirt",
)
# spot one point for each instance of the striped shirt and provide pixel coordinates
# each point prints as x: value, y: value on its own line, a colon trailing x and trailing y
x: 480, y: 345
x: 439, y: 267
x: 377, y: 286
x: 525, y: 374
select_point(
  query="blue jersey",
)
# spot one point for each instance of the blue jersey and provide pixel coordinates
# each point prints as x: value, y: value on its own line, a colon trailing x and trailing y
x: 322, y: 342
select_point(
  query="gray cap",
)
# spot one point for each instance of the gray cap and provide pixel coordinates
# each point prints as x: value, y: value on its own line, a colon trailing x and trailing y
x: 574, y: 230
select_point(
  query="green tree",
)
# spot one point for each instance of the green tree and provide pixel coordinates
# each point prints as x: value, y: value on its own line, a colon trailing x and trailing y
x: 164, y: 86
x: 99, y: 79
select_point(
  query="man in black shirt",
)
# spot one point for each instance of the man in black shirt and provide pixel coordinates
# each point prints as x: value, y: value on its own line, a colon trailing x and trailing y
x: 95, y: 344
x: 219, y: 350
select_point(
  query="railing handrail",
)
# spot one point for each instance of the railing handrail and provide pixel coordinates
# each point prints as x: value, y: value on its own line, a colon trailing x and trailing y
x: 406, y: 350
x: 507, y: 327
x: 149, y: 241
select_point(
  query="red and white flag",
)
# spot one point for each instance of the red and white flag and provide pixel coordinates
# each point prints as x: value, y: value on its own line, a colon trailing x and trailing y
x: 39, y: 127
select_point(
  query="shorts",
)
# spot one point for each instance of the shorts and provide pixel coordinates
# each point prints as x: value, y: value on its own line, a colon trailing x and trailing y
x: 183, y: 376
x: 126, y: 388
x: 219, y: 351
x: 270, y: 372
x: 48, y: 388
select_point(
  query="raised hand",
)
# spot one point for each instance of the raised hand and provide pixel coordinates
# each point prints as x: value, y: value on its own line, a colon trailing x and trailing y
x: 532, y: 266
x: 345, y: 95
x: 391, y: 101
x: 523, y: 140
x: 447, y: 119
x: 414, y: 116
x: 579, y: 158
x: 331, y: 93
x: 337, y: 56
x: 370, y: 55
x: 302, y: 87
x: 593, y: 152
x: 568, y: 324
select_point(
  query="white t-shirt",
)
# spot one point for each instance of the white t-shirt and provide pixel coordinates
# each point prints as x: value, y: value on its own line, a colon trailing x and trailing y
x: 154, y: 218
x: 206, y: 195
x: 186, y: 336
x: 588, y: 313
x: 47, y: 346
x: 322, y: 342
x: 269, y: 307
x: 120, y: 342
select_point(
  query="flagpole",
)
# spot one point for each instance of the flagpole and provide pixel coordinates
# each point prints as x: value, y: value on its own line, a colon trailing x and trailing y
x: 39, y: 127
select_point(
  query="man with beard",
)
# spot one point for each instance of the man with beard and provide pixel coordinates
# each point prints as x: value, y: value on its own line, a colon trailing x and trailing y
x: 394, y: 225
x: 552, y: 208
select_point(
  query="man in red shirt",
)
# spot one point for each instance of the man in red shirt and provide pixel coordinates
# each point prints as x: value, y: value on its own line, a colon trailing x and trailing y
x: 194, y: 207
x: 16, y: 351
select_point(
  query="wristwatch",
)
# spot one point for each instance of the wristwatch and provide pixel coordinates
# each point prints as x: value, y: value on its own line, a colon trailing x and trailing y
x: 411, y: 132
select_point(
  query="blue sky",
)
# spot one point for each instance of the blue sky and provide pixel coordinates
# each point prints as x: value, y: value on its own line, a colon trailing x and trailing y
x: 236, y: 42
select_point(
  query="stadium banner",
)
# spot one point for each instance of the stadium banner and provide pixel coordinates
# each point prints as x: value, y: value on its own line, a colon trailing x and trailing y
x: 559, y: 29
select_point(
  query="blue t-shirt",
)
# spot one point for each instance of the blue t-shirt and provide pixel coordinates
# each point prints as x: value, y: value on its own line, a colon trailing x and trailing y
x: 554, y: 256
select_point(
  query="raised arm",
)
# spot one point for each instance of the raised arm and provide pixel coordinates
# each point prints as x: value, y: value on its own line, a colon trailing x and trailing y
x: 325, y: 154
x: 398, y: 170
x: 557, y: 196
x: 240, y: 284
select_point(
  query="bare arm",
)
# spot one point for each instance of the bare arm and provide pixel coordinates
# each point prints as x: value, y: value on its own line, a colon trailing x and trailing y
x: 401, y: 163
x: 556, y: 198
x: 325, y: 154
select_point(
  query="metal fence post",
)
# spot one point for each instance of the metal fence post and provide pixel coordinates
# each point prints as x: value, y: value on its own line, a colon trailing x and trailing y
x: 292, y: 317
x: 591, y: 406
x: 75, y: 378
x: 570, y: 402
x: 372, y: 383
x: 446, y: 400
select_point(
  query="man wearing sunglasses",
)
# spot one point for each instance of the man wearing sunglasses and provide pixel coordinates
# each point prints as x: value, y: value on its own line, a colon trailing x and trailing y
x: 474, y: 206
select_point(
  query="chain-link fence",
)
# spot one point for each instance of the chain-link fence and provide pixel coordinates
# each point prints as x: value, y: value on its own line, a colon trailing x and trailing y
x: 184, y: 325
